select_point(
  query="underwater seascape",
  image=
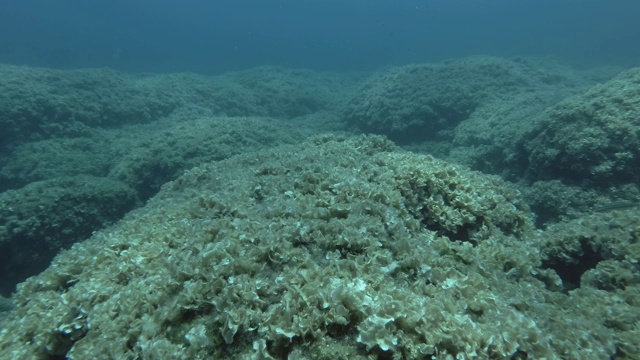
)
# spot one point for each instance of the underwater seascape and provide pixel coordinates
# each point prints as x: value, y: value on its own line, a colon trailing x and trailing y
x: 419, y: 179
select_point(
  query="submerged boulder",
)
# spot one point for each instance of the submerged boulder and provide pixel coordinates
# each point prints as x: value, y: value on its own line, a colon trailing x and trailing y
x: 333, y: 247
x: 427, y: 101
x: 45, y: 217
x: 592, y: 138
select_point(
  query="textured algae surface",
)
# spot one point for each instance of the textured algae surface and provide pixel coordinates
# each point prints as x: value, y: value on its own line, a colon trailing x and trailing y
x: 335, y: 248
x: 45, y: 216
x: 67, y: 188
x: 341, y: 248
x: 593, y: 136
x: 421, y: 102
x: 38, y: 103
x: 119, y: 137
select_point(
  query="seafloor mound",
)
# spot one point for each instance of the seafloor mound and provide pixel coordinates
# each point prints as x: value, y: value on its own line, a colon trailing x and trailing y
x: 130, y: 133
x: 38, y: 104
x: 334, y: 248
x: 590, y: 139
x: 428, y: 101
x: 66, y: 188
x: 40, y: 219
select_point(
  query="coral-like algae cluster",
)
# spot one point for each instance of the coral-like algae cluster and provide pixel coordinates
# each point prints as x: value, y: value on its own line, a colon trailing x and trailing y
x: 338, y: 247
x: 341, y: 248
x: 592, y: 137
x: 428, y: 101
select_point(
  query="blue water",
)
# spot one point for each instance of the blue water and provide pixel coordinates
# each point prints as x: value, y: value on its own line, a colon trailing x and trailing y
x: 213, y: 36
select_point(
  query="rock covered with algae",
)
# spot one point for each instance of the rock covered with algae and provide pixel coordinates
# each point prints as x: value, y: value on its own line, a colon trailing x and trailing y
x: 336, y: 247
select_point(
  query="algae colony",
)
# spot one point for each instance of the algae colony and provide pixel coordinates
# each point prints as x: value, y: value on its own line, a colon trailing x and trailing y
x: 266, y: 214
